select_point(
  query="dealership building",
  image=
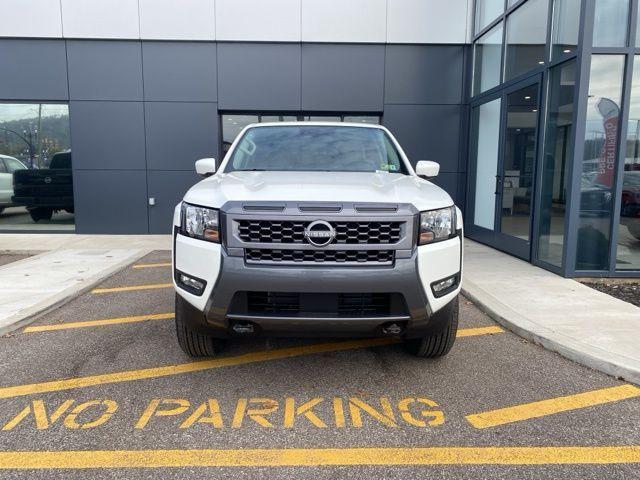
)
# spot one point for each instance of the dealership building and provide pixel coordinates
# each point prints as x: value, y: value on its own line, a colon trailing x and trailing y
x: 531, y: 107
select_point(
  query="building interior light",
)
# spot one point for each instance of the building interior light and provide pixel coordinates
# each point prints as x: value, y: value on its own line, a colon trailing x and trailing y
x: 566, y: 51
x: 541, y: 62
x: 527, y: 97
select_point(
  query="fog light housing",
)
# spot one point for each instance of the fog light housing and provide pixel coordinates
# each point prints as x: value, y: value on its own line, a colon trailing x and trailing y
x: 444, y: 286
x: 191, y: 284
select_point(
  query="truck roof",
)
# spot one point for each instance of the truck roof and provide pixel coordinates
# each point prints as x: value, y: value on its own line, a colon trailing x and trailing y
x: 316, y: 124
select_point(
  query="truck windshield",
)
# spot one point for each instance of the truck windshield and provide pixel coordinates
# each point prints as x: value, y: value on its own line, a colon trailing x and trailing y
x: 316, y: 148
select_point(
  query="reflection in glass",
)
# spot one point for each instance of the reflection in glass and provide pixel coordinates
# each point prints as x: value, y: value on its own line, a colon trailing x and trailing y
x: 232, y: 124
x: 610, y: 23
x: 526, y: 38
x: 566, y: 23
x: 599, y: 162
x: 374, y: 120
x: 485, y: 138
x: 519, y: 162
x: 322, y: 118
x: 487, y: 11
x: 487, y: 55
x: 628, y: 248
x: 556, y: 158
x: 36, y: 183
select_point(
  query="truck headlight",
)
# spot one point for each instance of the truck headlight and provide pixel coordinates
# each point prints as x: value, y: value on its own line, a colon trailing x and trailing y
x: 200, y: 222
x: 436, y: 225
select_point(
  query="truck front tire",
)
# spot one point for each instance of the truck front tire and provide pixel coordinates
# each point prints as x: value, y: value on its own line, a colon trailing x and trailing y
x: 191, y: 342
x: 41, y: 213
x: 437, y: 344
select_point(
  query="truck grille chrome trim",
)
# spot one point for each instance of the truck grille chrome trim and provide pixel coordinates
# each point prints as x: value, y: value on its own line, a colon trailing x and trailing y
x: 310, y: 257
x: 276, y: 231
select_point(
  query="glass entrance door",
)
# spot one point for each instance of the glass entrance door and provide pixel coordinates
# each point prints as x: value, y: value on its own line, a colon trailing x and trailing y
x: 515, y: 178
x: 504, y: 138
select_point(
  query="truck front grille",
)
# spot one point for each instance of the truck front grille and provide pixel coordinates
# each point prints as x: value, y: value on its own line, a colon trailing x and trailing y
x: 276, y: 231
x: 348, y: 305
x: 343, y: 257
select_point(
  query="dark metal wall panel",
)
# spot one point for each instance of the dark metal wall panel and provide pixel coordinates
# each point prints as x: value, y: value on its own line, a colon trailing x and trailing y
x: 167, y: 188
x: 342, y: 77
x: 180, y: 71
x: 424, y: 74
x: 110, y: 201
x: 104, y: 70
x: 259, y: 76
x: 450, y: 183
x: 33, y: 70
x: 179, y: 133
x: 107, y: 135
x: 427, y: 132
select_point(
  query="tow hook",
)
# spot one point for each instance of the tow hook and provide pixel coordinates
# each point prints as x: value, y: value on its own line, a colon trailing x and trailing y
x: 392, y: 329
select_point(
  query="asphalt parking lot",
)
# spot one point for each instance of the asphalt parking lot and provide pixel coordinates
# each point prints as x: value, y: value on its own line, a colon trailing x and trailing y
x: 100, y: 389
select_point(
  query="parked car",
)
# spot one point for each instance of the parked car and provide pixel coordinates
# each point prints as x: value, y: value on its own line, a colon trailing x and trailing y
x: 46, y: 190
x: 317, y: 229
x: 8, y: 165
x: 630, y: 207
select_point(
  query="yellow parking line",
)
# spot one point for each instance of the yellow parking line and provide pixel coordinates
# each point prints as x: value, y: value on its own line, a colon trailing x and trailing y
x: 151, y: 265
x: 155, y: 372
x: 551, y: 406
x: 314, y: 457
x: 97, y: 323
x: 471, y: 332
x: 132, y: 288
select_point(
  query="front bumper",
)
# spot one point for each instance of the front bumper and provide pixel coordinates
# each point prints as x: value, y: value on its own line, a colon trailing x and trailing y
x: 212, y: 312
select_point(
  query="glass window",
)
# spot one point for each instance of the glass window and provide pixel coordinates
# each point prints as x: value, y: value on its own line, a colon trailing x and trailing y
x: 487, y: 56
x: 232, y: 125
x: 485, y: 138
x: 526, y: 38
x: 374, y: 120
x: 628, y: 248
x: 637, y: 31
x: 311, y: 148
x: 610, y: 24
x: 323, y: 118
x: 34, y: 139
x: 277, y: 118
x: 519, y: 160
x: 556, y: 158
x: 487, y: 11
x: 566, y: 24
x: 599, y: 161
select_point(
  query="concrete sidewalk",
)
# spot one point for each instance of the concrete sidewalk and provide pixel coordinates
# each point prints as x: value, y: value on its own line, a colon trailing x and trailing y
x: 39, y: 283
x: 562, y: 315
x: 38, y: 242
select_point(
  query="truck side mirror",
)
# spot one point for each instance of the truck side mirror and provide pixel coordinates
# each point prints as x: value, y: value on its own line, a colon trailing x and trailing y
x: 206, y: 166
x: 427, y: 168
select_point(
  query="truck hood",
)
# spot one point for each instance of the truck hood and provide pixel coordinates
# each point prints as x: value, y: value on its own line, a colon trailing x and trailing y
x: 317, y: 187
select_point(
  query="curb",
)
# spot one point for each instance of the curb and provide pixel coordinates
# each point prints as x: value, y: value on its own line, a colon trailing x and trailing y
x: 612, y: 364
x: 31, y: 314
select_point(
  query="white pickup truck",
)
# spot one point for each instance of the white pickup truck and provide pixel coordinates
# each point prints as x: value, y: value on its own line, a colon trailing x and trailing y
x: 317, y: 229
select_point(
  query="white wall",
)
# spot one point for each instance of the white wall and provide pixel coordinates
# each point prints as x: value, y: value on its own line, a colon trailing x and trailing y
x: 177, y: 19
x: 349, y: 21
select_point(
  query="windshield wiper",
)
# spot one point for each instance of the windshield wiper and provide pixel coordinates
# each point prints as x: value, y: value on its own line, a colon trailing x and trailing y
x: 250, y: 170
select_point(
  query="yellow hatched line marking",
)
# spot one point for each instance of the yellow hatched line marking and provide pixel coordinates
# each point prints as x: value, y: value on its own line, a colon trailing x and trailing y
x: 132, y: 288
x: 472, y: 332
x: 151, y: 265
x: 312, y: 457
x: 551, y: 406
x: 156, y: 372
x: 97, y: 323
